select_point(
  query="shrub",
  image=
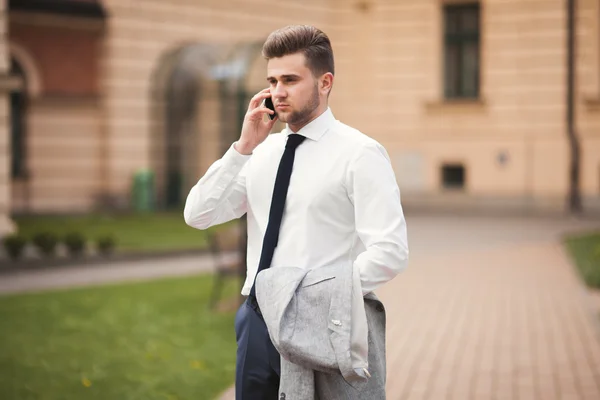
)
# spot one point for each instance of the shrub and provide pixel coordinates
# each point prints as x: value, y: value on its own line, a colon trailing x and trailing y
x: 75, y: 242
x: 46, y: 242
x: 14, y: 245
x: 106, y: 244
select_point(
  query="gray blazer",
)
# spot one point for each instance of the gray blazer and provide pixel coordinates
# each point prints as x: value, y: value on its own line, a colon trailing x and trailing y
x: 331, y: 341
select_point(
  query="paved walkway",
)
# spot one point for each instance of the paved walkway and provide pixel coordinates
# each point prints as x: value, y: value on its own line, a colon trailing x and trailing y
x: 97, y: 274
x: 489, y: 308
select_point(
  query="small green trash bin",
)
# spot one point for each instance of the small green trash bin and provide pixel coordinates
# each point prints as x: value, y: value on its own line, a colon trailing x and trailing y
x: 142, y: 191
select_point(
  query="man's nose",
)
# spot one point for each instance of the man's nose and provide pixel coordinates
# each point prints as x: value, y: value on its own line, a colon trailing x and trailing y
x: 278, y: 91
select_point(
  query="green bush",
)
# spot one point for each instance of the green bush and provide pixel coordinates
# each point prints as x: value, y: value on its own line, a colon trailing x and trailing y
x: 45, y: 242
x: 106, y: 244
x: 14, y: 245
x: 75, y: 242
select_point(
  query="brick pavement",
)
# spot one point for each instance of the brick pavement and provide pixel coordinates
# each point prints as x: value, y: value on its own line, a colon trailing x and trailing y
x: 506, y: 323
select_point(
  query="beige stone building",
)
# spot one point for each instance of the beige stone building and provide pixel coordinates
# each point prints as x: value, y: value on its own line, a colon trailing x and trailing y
x: 469, y: 97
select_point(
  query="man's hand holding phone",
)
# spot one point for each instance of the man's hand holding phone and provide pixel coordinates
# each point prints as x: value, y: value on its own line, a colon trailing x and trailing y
x: 255, y: 129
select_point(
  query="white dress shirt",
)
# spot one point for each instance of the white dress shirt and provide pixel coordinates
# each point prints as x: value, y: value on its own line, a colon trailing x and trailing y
x: 343, y: 202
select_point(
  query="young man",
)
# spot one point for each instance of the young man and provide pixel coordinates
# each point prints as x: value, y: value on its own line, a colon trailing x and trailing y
x: 340, y: 204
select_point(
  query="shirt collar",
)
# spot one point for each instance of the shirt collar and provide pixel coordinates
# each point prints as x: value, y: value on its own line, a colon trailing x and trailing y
x: 315, y: 129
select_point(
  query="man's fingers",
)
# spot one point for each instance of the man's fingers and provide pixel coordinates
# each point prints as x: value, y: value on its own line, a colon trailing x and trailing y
x: 271, y: 122
x: 260, y: 110
x: 258, y: 98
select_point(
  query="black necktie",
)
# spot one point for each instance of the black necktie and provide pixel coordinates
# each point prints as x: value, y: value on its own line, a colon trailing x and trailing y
x: 282, y: 182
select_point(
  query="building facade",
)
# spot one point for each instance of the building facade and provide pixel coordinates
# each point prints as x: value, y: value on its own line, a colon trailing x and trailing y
x: 469, y: 97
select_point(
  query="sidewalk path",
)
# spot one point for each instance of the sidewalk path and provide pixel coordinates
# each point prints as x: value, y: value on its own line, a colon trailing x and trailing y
x: 97, y: 274
x: 490, y: 309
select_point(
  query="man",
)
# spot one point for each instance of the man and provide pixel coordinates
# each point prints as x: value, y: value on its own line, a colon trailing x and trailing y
x: 342, y: 202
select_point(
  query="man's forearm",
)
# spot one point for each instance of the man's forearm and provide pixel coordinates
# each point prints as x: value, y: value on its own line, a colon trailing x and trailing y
x: 220, y: 195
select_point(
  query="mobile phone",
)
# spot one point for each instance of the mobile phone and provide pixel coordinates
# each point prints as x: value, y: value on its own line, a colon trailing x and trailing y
x: 269, y: 104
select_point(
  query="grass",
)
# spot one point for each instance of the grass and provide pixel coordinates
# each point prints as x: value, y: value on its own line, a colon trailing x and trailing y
x: 585, y: 250
x: 152, y: 340
x: 152, y: 232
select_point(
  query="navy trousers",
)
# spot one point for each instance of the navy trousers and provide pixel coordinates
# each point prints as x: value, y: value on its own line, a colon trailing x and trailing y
x: 257, y: 369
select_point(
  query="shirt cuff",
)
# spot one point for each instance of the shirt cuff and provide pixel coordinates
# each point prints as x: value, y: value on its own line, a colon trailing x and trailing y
x: 234, y: 158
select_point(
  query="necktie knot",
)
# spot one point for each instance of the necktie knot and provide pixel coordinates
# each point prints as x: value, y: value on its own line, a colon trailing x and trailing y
x: 294, y: 141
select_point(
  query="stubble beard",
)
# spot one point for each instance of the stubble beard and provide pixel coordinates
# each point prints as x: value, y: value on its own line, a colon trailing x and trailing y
x: 300, y: 117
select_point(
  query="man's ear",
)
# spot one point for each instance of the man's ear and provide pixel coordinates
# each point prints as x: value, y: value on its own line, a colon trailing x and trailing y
x: 326, y: 83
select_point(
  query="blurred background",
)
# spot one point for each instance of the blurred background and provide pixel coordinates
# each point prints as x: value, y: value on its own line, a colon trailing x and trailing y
x: 111, y: 110
x: 473, y: 100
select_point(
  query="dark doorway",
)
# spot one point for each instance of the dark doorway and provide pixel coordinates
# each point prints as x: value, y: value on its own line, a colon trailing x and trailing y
x: 18, y: 112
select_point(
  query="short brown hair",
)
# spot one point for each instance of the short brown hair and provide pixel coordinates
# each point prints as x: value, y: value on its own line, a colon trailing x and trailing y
x: 311, y: 41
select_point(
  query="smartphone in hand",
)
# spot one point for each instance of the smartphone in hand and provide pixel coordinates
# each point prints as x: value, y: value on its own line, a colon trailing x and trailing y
x: 269, y: 104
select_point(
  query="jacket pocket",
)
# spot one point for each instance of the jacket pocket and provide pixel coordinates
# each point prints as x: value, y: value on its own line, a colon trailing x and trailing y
x: 319, y: 275
x: 309, y: 280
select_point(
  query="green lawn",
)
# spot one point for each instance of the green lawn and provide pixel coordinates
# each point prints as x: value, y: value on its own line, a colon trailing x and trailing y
x: 133, y: 232
x: 585, y: 250
x: 154, y: 340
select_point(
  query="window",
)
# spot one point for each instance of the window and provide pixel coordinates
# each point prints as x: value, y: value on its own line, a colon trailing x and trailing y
x: 461, y: 51
x: 17, y: 123
x: 453, y: 176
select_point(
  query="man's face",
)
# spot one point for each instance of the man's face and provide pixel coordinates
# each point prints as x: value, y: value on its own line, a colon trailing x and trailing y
x: 294, y: 89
